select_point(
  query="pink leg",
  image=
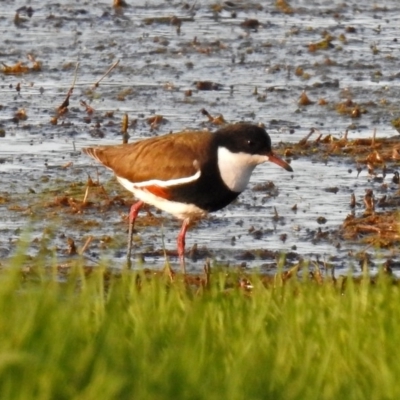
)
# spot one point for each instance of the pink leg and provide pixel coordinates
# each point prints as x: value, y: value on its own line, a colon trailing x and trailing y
x: 133, y: 213
x: 181, y: 244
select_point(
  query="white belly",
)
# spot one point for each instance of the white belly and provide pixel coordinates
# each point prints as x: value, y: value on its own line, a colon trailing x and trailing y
x: 179, y: 210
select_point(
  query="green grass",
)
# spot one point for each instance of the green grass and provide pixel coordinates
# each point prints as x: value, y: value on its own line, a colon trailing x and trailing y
x: 162, y: 340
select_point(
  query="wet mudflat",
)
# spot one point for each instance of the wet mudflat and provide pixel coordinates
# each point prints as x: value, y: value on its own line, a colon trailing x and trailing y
x: 296, y: 67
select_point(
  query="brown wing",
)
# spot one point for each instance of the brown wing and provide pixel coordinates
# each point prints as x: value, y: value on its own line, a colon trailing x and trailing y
x: 163, y: 158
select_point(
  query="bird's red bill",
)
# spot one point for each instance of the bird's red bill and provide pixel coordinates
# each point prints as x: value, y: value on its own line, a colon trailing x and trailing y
x: 278, y: 161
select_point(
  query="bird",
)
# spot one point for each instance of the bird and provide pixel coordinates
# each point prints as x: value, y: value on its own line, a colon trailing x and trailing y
x: 188, y: 174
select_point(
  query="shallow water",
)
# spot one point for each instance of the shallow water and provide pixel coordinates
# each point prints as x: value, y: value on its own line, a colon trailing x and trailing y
x: 157, y: 65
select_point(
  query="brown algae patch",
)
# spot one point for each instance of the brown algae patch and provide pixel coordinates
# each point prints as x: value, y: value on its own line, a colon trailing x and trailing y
x: 374, y: 152
x: 380, y: 229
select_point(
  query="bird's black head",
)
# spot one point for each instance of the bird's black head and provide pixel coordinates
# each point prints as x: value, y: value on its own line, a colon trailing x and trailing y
x: 251, y: 140
x: 244, y: 138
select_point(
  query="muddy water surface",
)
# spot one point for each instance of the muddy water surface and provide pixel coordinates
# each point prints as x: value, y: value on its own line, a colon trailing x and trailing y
x: 334, y: 51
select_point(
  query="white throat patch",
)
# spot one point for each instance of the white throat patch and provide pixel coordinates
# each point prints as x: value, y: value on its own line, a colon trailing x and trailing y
x: 236, y: 168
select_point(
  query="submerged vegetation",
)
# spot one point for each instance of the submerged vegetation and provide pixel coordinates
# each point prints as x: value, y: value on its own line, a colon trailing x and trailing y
x: 227, y: 335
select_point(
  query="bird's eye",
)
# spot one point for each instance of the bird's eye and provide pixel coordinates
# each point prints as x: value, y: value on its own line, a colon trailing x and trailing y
x: 251, y: 143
